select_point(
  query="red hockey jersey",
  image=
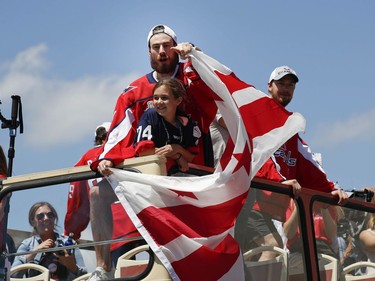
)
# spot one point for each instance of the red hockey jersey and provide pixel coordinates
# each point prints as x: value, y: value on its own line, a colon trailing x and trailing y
x: 137, y: 98
x: 296, y: 161
x: 78, y: 206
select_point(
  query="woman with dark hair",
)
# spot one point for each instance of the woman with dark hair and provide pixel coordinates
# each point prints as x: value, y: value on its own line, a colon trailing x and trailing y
x: 63, y: 265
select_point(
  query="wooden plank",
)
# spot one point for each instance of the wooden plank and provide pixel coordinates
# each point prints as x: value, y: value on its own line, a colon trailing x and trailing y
x: 151, y: 164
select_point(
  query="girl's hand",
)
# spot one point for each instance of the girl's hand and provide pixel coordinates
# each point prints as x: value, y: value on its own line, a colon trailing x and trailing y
x: 183, y: 164
x: 166, y: 150
x: 103, y: 167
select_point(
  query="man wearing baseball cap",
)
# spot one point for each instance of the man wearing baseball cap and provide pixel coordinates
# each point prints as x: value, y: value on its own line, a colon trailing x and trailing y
x: 281, y: 84
x: 161, y: 28
x: 164, y: 51
x: 295, y: 161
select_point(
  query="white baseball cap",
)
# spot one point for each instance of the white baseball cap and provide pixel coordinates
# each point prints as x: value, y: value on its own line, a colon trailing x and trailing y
x: 105, y: 125
x: 280, y: 72
x: 161, y: 28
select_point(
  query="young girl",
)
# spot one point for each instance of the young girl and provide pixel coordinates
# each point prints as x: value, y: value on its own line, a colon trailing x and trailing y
x: 165, y: 129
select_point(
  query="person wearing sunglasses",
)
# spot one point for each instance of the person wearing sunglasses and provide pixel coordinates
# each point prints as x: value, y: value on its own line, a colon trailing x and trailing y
x: 61, y: 264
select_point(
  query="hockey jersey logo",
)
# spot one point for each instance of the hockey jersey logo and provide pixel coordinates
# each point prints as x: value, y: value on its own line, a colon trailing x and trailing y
x: 286, y: 156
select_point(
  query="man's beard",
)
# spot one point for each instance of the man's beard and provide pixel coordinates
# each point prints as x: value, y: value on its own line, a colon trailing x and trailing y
x: 285, y: 101
x: 164, y: 68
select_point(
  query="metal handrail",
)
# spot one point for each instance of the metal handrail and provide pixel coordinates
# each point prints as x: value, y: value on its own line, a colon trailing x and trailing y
x: 304, y: 203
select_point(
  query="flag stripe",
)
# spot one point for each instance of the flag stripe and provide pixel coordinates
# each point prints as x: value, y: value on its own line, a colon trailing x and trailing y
x: 119, y: 133
x: 148, y: 190
x: 213, y: 265
x: 191, y: 220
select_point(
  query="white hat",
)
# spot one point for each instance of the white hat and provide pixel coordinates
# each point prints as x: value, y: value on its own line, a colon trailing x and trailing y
x: 161, y: 28
x: 280, y: 72
x: 105, y: 125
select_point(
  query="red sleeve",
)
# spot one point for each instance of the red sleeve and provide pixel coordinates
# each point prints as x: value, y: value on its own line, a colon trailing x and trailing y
x: 269, y: 171
x: 310, y: 174
x: 82, y: 161
x: 78, y: 209
x: 193, y: 149
x: 77, y: 214
x: 143, y: 146
x: 200, y: 96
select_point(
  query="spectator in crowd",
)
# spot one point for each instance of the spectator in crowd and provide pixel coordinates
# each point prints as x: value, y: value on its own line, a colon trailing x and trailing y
x: 326, y: 218
x: 164, y: 52
x: 267, y: 206
x: 295, y: 158
x: 345, y: 241
x: 63, y: 265
x: 295, y: 162
x: 77, y: 216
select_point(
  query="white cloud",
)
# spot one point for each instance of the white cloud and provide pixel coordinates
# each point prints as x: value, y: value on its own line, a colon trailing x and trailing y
x: 357, y: 128
x: 58, y: 111
x: 30, y: 60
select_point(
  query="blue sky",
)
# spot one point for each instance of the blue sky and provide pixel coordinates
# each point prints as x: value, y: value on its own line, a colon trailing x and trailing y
x: 69, y: 61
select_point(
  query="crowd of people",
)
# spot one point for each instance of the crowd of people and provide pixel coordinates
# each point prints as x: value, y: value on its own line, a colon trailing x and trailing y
x: 170, y: 112
x: 132, y: 108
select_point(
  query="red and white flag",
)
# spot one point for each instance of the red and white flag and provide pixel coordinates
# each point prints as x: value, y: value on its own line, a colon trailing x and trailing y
x: 189, y: 221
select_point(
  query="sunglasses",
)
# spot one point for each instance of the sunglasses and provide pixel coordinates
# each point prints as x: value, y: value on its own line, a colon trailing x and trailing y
x: 41, y: 216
